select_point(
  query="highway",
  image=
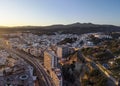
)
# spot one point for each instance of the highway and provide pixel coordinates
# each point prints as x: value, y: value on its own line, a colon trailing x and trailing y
x: 42, y: 75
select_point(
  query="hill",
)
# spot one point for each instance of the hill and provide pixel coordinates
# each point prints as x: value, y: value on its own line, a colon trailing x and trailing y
x: 75, y: 28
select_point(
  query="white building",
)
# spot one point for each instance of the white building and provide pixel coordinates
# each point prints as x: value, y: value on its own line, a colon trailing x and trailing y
x: 62, y: 51
x: 57, y: 77
x: 101, y: 36
x: 50, y: 60
x: 50, y: 63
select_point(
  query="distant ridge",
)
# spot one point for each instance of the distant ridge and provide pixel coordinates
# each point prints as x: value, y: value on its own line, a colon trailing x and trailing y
x: 77, y: 24
x: 77, y: 28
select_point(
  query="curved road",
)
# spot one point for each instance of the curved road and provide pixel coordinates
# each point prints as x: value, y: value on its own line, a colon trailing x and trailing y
x: 41, y: 73
x: 99, y: 66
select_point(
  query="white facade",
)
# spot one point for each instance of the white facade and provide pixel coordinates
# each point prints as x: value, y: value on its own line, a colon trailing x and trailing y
x: 62, y: 52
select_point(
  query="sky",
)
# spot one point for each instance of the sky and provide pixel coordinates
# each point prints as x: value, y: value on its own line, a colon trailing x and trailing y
x: 48, y: 12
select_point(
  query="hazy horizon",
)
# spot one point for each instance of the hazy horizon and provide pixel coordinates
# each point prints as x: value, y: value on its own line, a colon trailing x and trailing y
x: 50, y: 12
x: 54, y: 24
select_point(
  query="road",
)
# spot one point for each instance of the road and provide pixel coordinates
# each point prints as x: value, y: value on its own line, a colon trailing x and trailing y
x: 100, y: 67
x: 41, y: 73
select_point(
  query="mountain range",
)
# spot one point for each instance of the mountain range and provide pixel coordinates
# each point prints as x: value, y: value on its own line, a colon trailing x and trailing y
x: 77, y: 28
